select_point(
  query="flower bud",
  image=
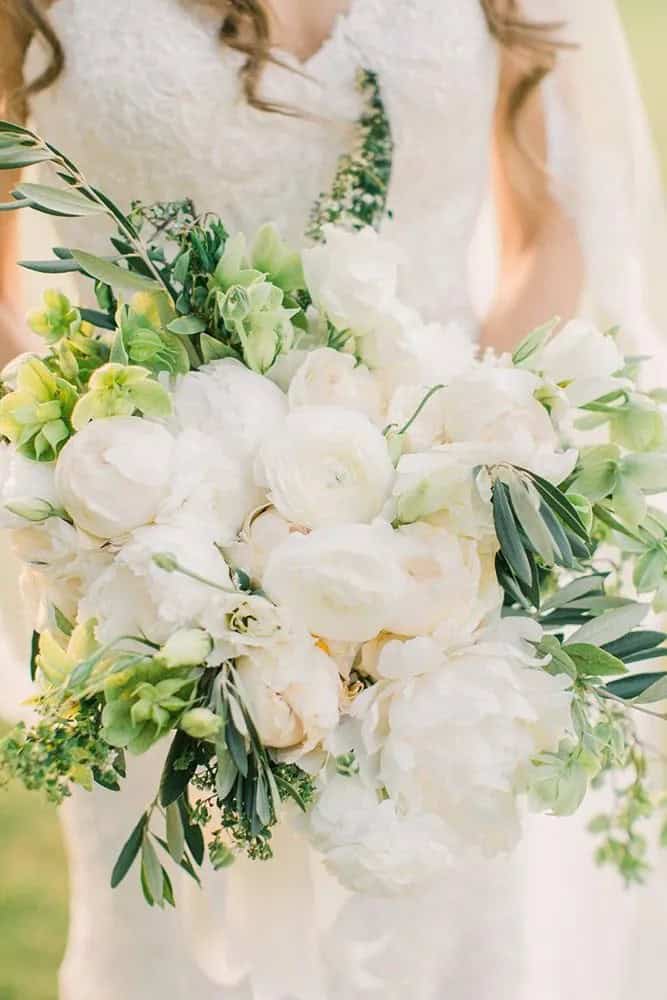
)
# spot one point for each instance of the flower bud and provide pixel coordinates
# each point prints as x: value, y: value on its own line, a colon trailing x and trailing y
x: 166, y: 561
x: 235, y: 305
x: 187, y: 648
x: 200, y: 723
x: 32, y: 509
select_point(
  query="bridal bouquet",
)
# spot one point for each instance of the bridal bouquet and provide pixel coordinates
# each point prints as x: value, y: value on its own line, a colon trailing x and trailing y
x: 344, y: 572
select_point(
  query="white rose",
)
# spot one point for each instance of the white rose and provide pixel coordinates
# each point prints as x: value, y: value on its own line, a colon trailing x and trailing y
x: 113, y: 474
x: 339, y: 580
x: 494, y: 409
x: 293, y: 693
x: 209, y: 484
x: 352, y: 276
x: 135, y: 595
x: 369, y: 844
x: 23, y: 480
x: 326, y: 465
x: 584, y: 358
x: 453, y: 735
x: 443, y: 482
x: 331, y: 378
x: 230, y: 403
x: 447, y: 584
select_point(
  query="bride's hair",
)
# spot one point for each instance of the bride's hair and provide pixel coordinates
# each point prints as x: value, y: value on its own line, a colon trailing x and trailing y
x: 246, y: 27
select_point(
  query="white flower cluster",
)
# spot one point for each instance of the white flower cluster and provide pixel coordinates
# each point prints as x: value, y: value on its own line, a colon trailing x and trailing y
x: 354, y: 502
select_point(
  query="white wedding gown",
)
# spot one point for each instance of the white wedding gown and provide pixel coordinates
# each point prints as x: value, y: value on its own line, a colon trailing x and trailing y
x: 149, y: 106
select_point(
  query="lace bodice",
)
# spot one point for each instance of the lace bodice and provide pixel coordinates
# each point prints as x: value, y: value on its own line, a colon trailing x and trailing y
x: 150, y: 107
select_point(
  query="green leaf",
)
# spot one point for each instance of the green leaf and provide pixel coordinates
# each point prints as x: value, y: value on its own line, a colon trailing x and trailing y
x: 194, y: 837
x: 558, y: 536
x: 610, y: 626
x: 16, y: 157
x: 168, y: 889
x: 34, y: 652
x: 560, y: 505
x: 591, y: 661
x: 62, y: 201
x: 63, y: 623
x: 214, y: 350
x: 175, y: 781
x: 582, y: 587
x: 129, y: 852
x: 510, y: 541
x: 50, y: 266
x: 530, y: 520
x: 187, y: 326
x: 152, y: 869
x: 113, y: 275
x: 535, y: 340
x: 656, y: 692
x: 175, y: 832
x: 634, y: 685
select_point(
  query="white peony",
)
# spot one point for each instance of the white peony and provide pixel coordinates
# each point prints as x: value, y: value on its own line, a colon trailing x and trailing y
x: 293, y: 693
x: 583, y: 359
x: 340, y: 580
x: 113, y: 474
x: 444, y: 482
x: 352, y: 276
x: 135, y: 595
x: 230, y: 403
x: 369, y: 845
x: 447, y: 584
x: 326, y: 465
x: 331, y: 378
x: 495, y: 410
x: 208, y: 484
x: 452, y: 733
x: 22, y: 480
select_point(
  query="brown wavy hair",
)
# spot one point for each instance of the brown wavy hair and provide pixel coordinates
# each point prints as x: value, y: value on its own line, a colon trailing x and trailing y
x: 532, y: 49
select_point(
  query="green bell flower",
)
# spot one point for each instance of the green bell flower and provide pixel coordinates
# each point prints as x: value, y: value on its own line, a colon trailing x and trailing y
x: 143, y: 702
x: 281, y: 265
x: 58, y: 319
x: 36, y: 416
x: 639, y: 425
x: 121, y: 391
x: 56, y: 662
x: 143, y: 337
x: 200, y: 723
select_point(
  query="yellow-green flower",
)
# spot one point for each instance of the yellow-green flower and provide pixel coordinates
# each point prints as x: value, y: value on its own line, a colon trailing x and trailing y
x: 36, y: 416
x: 121, y: 391
x: 56, y: 662
x: 58, y: 319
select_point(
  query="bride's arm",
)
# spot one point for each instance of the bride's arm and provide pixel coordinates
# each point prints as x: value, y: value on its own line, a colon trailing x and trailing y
x: 13, y: 42
x: 541, y: 267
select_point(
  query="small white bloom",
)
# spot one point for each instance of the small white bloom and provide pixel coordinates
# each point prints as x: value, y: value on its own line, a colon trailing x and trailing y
x: 444, y: 482
x: 227, y: 401
x: 341, y: 580
x: 330, y: 378
x: 113, y: 474
x: 326, y: 465
x: 352, y: 276
x: 447, y: 584
x: 186, y: 648
x: 583, y: 359
x: 494, y: 409
x: 293, y: 693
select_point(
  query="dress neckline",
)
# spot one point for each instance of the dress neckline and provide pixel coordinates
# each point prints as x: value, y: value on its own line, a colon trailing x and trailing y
x: 340, y: 22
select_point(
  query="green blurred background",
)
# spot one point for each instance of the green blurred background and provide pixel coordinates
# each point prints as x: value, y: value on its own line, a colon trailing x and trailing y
x: 33, y: 886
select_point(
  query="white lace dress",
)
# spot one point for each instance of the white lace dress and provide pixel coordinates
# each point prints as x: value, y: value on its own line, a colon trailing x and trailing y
x: 149, y: 106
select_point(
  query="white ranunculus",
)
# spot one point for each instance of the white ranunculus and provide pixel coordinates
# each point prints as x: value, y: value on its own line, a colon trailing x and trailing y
x: 452, y: 734
x: 444, y: 482
x: 369, y: 844
x: 584, y: 359
x: 428, y: 428
x: 135, y: 595
x: 447, y: 584
x: 293, y: 693
x: 113, y: 474
x: 263, y: 532
x: 22, y: 480
x: 341, y: 580
x: 331, y: 378
x: 326, y: 465
x: 352, y: 276
x: 230, y: 403
x: 494, y: 410
x: 208, y: 484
